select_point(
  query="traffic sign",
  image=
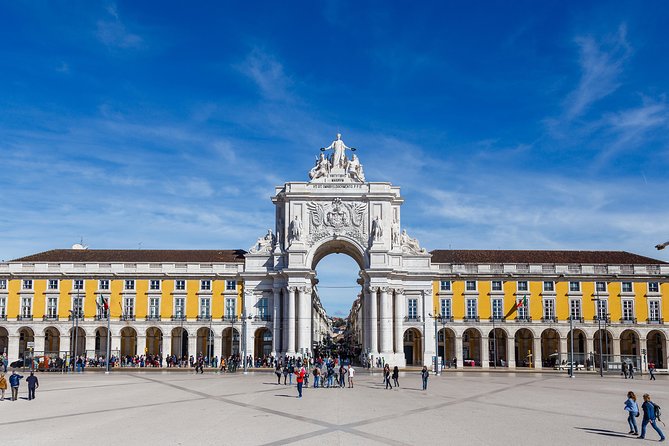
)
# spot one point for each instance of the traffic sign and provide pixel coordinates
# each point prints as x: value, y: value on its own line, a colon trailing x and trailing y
x: 30, y: 344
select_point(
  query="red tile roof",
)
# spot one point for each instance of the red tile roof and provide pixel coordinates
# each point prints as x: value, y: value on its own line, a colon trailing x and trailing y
x: 552, y: 257
x: 137, y: 256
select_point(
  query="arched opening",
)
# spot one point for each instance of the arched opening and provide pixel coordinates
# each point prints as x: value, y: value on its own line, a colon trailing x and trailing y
x: 579, y: 347
x: 471, y: 347
x: 606, y: 348
x: 128, y: 342
x: 101, y: 339
x: 629, y: 346
x: 230, y: 343
x: 51, y: 342
x: 77, y: 342
x: 550, y: 348
x: 205, y: 343
x: 180, y: 342
x: 524, y: 347
x: 655, y: 345
x: 413, y: 347
x: 263, y: 343
x: 154, y: 341
x: 497, y: 342
x: 447, y: 345
x: 25, y: 335
x: 4, y: 340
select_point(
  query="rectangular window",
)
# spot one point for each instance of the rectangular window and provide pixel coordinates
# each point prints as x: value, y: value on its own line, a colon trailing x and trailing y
x: 472, y: 309
x: 470, y: 285
x: 653, y: 287
x: 27, y: 284
x: 3, y: 307
x: 3, y: 284
x: 52, y: 307
x: 230, y: 308
x: 154, y: 307
x: 78, y: 307
x: 549, y: 309
x: 445, y: 285
x: 575, y: 287
x: 129, y: 307
x: 230, y: 285
x: 103, y: 284
x: 496, y: 285
x: 523, y: 310
x: 26, y: 307
x: 627, y: 287
x: 602, y: 309
x: 654, y: 310
x: 78, y: 284
x: 53, y: 284
x: 205, y: 307
x: 522, y: 285
x: 628, y: 310
x: 154, y: 285
x: 549, y: 287
x: 129, y: 285
x: 600, y: 287
x: 263, y: 308
x: 179, y: 307
x: 413, y: 309
x: 180, y: 285
x: 575, y: 309
x: 446, y: 308
x: 497, y: 308
x: 205, y: 285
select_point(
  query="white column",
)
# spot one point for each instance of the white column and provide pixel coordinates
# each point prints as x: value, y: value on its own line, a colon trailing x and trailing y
x: 290, y: 348
x: 115, y: 344
x: 13, y: 348
x: 564, y: 349
x: 218, y: 344
x: 167, y: 347
x: 284, y: 321
x: 386, y: 323
x: 141, y: 344
x: 90, y: 345
x: 373, y: 321
x: 192, y: 343
x: 304, y: 320
x: 589, y: 348
x: 511, y: 350
x: 458, y: 350
x: 485, y: 352
x: 536, y: 353
x: 39, y: 343
x: 428, y: 326
x: 615, y: 348
x: 276, y: 332
x: 399, y: 321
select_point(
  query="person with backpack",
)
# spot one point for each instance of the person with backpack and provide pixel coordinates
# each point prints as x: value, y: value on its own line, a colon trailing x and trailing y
x: 424, y: 374
x: 632, y: 409
x: 651, y: 414
x: 651, y: 371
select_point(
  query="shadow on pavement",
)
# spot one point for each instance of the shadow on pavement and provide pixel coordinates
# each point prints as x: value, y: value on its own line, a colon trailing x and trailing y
x: 605, y: 432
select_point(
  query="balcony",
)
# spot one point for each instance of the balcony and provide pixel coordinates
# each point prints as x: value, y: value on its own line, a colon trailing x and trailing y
x: 655, y: 321
x: 127, y: 317
x: 24, y: 318
x: 50, y: 318
x: 101, y: 317
x: 606, y: 320
x: 497, y: 319
x: 472, y: 319
x: 203, y: 318
x: 153, y: 318
x: 229, y: 318
x: 576, y: 319
x: 628, y: 320
x: 412, y: 319
x: 444, y: 319
x: 524, y: 319
x: 549, y: 320
x: 179, y: 317
x: 71, y: 317
x: 264, y: 318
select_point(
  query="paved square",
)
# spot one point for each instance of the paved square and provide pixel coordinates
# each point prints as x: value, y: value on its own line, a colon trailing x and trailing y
x: 473, y: 408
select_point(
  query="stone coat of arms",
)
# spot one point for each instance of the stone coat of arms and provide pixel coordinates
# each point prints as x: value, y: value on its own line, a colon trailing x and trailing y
x: 337, y: 218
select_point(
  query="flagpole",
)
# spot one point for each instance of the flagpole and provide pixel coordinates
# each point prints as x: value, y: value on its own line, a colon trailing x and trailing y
x: 108, y: 310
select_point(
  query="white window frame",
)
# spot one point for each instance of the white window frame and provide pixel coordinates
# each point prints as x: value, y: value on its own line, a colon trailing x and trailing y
x: 27, y: 284
x: 151, y: 307
x: 49, y: 299
x: 468, y: 314
x: 26, y: 314
x: 263, y: 308
x: 444, y: 305
x: 572, y: 306
x: 230, y: 285
x: 230, y: 307
x: 623, y: 290
x: 49, y: 282
x: 80, y: 297
x: 129, y: 285
x: 3, y: 284
x: 552, y: 286
x: 412, y: 307
x: 659, y: 309
x: 492, y: 285
x: 500, y: 301
x: 104, y: 284
x: 527, y: 286
x: 175, y: 307
x: 467, y: 282
x: 631, y: 308
x: 599, y: 311
x: 78, y: 285
x: 205, y: 285
x: 523, y: 312
x: 604, y: 290
x: 445, y: 285
x: 549, y: 304
x: 578, y: 286
x: 204, y: 300
x: 153, y: 282
x: 178, y: 283
x: 131, y: 299
x: 657, y: 284
x: 3, y: 307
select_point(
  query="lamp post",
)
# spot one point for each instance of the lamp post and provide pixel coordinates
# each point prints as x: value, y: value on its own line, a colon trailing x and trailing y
x: 245, y: 340
x: 571, y: 342
x: 599, y: 324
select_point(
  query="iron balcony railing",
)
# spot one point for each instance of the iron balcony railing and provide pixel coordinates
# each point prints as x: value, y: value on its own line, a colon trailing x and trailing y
x: 472, y: 319
x: 203, y: 318
x: 263, y: 318
x: 153, y: 318
x: 50, y: 318
x: 655, y: 320
x: 549, y: 319
x: 180, y: 317
x: 127, y: 317
x: 524, y: 319
x: 412, y: 319
x: 628, y: 320
x: 229, y: 318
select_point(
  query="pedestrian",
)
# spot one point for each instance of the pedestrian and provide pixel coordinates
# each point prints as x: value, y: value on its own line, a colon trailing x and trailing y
x: 630, y: 370
x: 342, y: 374
x: 424, y: 374
x: 14, y: 380
x: 455, y: 362
x: 3, y: 386
x: 277, y: 372
x: 299, y: 375
x: 386, y: 376
x: 650, y: 415
x: 291, y: 372
x: 33, y: 383
x: 5, y: 361
x: 632, y: 409
x: 317, y: 376
x: 651, y: 371
x: 624, y: 372
x: 351, y: 374
x: 396, y: 376
x: 285, y: 373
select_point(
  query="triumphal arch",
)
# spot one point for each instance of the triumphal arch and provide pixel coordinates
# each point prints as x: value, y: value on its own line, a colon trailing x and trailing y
x: 338, y: 211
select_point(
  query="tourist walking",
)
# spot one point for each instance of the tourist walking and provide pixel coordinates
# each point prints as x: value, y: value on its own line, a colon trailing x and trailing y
x: 396, y: 376
x: 386, y: 376
x: 651, y: 371
x: 351, y: 374
x: 632, y: 409
x: 624, y: 372
x: 14, y: 380
x: 342, y: 374
x: 286, y: 372
x: 33, y: 383
x: 650, y: 415
x: 630, y: 371
x: 299, y: 375
x: 424, y: 374
x: 277, y: 372
x: 3, y: 386
x: 317, y: 376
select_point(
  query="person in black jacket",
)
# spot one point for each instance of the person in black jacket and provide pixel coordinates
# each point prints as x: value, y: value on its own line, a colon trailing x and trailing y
x: 396, y: 376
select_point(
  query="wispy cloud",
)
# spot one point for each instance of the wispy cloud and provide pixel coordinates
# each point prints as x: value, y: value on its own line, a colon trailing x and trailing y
x: 268, y: 74
x: 114, y: 33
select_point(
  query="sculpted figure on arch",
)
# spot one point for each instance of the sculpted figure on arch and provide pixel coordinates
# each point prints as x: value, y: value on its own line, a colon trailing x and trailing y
x: 338, y: 159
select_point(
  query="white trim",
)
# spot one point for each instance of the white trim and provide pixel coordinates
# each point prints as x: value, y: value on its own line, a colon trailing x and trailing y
x: 148, y: 304
x: 659, y: 305
x: 83, y: 285
x: 155, y: 290
x: 492, y: 308
x: 178, y: 290
x: 543, y: 307
x: 48, y: 296
x: 518, y: 290
x: 174, y: 305
x: 494, y: 291
x: 48, y: 283
x: 102, y: 290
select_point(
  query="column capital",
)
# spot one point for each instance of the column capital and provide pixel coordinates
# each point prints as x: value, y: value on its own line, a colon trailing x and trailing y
x: 384, y: 289
x: 292, y: 289
x: 399, y: 291
x: 373, y: 289
x: 304, y: 289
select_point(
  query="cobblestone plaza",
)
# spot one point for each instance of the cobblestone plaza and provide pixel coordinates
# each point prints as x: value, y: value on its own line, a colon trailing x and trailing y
x: 474, y: 408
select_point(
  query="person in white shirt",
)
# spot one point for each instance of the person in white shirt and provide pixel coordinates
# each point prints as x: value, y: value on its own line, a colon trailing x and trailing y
x: 351, y: 373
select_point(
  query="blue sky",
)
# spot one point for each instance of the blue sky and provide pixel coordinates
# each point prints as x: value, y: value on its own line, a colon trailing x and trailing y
x: 535, y: 125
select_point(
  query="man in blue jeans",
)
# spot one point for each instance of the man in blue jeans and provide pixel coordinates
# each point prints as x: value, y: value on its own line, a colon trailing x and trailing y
x: 14, y: 380
x: 649, y: 416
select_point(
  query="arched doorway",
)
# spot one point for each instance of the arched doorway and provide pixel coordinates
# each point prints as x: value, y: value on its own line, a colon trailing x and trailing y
x: 629, y: 346
x: 606, y: 347
x: 655, y: 345
x: 230, y: 343
x: 497, y: 342
x: 579, y: 347
x: 25, y: 335
x: 524, y: 346
x: 471, y: 347
x: 4, y: 340
x: 447, y: 345
x: 205, y: 342
x: 101, y: 340
x: 128, y: 341
x: 77, y: 341
x: 179, y: 342
x: 413, y: 349
x: 550, y: 347
x: 154, y: 341
x: 51, y: 341
x: 263, y: 343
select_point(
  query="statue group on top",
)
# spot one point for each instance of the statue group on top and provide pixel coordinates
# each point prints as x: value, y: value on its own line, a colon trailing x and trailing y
x: 337, y: 162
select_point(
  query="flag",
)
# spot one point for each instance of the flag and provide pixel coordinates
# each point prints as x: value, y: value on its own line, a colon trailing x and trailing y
x: 521, y: 303
x: 102, y: 302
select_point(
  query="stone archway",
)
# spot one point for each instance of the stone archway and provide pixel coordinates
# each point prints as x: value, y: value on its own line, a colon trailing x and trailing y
x: 550, y: 348
x: 101, y: 340
x: 4, y: 340
x: 77, y: 341
x: 413, y: 351
x: 446, y: 338
x: 524, y: 348
x: 629, y: 346
x: 497, y: 345
x: 51, y: 341
x: 205, y: 342
x: 180, y: 342
x: 25, y: 335
x: 471, y: 347
x: 580, y: 342
x: 128, y: 342
x: 655, y: 346
x: 230, y: 343
x: 154, y: 341
x: 263, y: 342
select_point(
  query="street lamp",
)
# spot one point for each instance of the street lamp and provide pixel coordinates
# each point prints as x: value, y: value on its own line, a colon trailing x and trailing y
x: 599, y: 324
x: 661, y: 246
x: 245, y: 340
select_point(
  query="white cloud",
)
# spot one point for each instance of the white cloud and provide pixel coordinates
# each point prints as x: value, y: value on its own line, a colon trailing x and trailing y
x: 268, y: 74
x: 114, y: 33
